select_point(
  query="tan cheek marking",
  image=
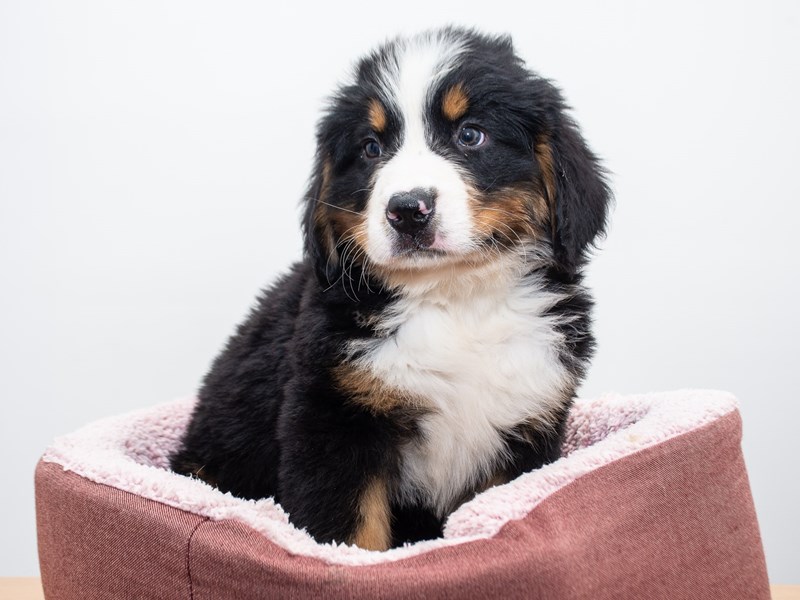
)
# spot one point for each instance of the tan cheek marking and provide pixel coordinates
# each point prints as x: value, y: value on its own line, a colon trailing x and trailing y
x: 374, y: 530
x: 455, y: 102
x: 377, y: 116
x: 505, y: 213
x: 332, y: 223
x: 348, y: 226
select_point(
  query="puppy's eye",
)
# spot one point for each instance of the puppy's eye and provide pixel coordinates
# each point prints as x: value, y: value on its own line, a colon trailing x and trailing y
x: 372, y: 149
x: 471, y: 136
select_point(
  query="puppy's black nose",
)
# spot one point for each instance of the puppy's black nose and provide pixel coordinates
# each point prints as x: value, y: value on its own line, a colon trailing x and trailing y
x: 409, y: 212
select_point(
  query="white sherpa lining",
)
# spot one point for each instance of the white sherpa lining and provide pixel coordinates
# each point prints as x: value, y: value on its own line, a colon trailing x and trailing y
x: 130, y: 452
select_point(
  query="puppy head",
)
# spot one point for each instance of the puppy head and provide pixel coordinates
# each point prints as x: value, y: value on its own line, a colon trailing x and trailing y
x: 444, y: 149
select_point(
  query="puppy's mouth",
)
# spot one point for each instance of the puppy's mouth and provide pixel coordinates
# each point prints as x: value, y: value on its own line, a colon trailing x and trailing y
x: 427, y: 242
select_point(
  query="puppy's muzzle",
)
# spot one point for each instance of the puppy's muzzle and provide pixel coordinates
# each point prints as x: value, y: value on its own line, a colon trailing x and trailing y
x: 410, y: 212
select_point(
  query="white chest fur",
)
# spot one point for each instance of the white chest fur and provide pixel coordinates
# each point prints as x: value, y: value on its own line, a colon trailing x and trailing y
x: 483, y: 359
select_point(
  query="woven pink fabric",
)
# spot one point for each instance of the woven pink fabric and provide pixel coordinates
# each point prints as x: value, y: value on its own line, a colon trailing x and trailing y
x: 651, y: 501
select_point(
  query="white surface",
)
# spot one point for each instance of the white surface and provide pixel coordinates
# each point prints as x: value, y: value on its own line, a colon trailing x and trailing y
x: 152, y: 156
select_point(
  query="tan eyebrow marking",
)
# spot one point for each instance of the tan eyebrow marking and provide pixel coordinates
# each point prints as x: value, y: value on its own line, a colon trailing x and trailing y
x: 455, y: 102
x: 377, y: 116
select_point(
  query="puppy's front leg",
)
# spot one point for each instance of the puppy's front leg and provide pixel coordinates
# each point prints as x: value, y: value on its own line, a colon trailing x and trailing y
x: 373, y: 530
x: 334, y: 504
x: 333, y: 477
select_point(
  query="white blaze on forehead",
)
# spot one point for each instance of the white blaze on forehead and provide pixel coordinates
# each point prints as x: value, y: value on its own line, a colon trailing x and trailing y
x: 410, y: 76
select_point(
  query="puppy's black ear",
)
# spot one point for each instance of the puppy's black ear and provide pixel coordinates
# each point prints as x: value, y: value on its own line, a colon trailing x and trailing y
x: 577, y: 192
x: 320, y: 243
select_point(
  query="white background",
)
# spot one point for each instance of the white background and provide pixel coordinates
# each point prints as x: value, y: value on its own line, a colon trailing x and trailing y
x: 152, y: 155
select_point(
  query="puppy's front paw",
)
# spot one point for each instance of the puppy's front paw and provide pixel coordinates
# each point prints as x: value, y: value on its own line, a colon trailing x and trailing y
x: 374, y: 529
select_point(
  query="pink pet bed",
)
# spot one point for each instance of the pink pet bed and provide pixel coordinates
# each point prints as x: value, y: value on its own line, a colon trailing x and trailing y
x: 651, y: 500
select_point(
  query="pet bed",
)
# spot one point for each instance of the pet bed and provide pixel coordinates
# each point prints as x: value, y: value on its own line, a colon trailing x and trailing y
x: 650, y: 500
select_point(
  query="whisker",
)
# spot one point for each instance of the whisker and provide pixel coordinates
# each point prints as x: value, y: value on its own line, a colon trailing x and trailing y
x: 522, y: 246
x: 339, y: 207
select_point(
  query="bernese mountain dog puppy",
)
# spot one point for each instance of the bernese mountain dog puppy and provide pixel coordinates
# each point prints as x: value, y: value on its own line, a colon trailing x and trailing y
x: 430, y: 342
